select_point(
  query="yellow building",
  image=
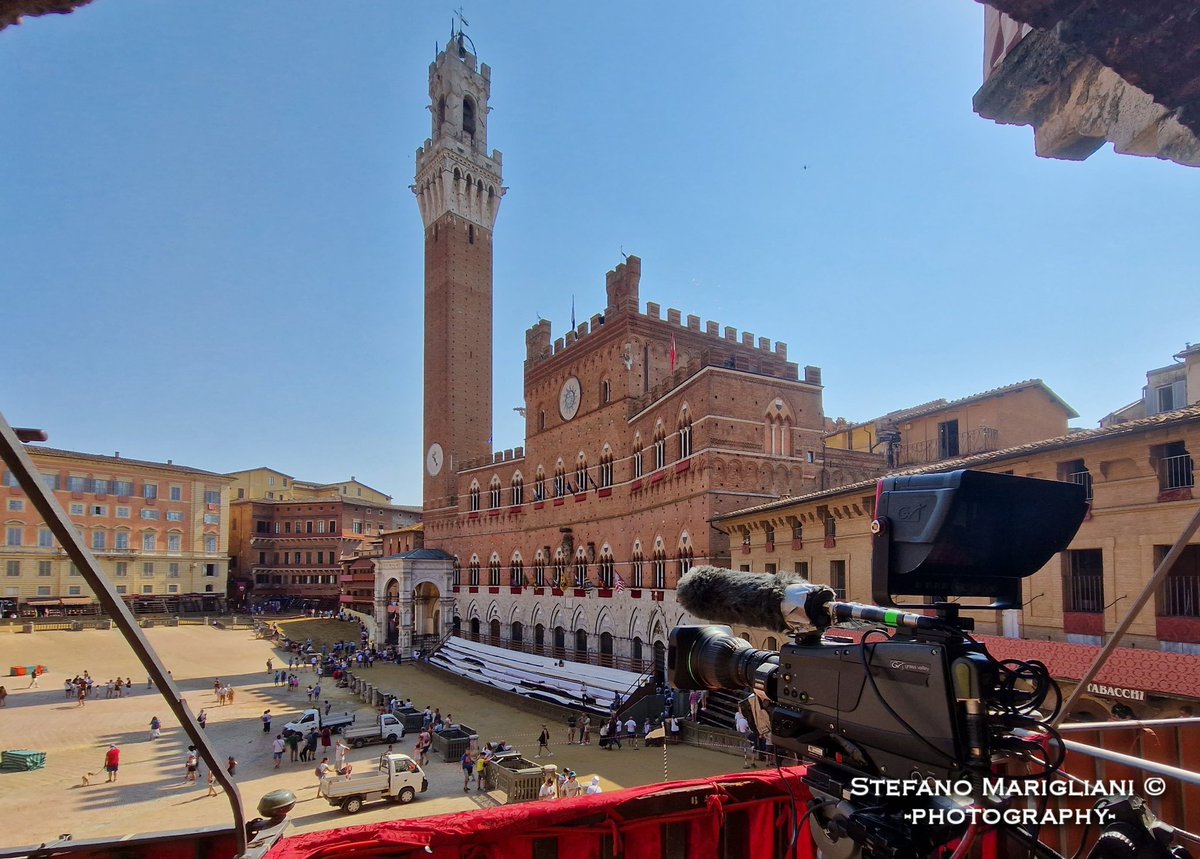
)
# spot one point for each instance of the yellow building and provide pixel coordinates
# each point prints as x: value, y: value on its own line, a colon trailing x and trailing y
x: 989, y: 421
x: 158, y: 530
x: 1140, y: 479
x: 267, y: 484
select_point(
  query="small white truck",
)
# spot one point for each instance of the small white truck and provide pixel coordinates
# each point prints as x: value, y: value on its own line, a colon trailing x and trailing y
x: 312, y: 718
x: 385, y: 729
x: 398, y: 779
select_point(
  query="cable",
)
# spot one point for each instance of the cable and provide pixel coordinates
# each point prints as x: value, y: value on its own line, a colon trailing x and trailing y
x: 879, y: 695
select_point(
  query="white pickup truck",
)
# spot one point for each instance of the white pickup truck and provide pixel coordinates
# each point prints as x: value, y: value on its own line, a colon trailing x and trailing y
x: 385, y: 729
x: 398, y: 779
x: 312, y: 718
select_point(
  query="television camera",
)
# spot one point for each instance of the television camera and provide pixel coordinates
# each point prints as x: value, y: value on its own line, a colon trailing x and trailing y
x: 906, y: 735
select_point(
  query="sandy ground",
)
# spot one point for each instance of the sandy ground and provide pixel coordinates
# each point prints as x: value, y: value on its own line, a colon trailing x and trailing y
x: 151, y: 795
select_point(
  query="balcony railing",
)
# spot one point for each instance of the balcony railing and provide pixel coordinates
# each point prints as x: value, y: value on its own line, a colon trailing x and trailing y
x: 1176, y: 472
x: 1082, y: 478
x: 979, y: 440
x: 1083, y: 594
x: 1179, y: 596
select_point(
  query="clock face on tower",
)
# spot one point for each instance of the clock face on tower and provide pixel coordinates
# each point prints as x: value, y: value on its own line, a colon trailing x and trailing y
x: 434, y: 459
x: 568, y: 399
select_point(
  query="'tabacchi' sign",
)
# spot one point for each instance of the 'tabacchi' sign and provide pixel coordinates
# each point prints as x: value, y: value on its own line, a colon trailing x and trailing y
x: 1116, y: 692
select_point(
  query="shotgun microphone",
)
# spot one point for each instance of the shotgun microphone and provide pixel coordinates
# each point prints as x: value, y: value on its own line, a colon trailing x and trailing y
x: 783, y: 602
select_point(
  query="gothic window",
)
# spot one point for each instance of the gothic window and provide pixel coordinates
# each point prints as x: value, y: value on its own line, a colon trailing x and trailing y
x: 637, y: 457
x: 539, y: 485
x: 660, y: 448
x: 607, y: 568
x: 560, y: 481
x: 660, y: 569
x: 685, y: 436
x: 518, y: 490
x: 636, y: 567
x: 516, y: 572
x: 560, y: 571
x: 494, y: 571
x: 685, y: 560
x: 473, y: 572
x: 474, y: 497
x: 494, y: 493
x: 469, y: 115
x: 581, y: 572
x: 606, y: 391
x: 606, y: 468
x: 542, y: 419
x: 539, y: 571
x: 581, y: 475
x: 457, y: 571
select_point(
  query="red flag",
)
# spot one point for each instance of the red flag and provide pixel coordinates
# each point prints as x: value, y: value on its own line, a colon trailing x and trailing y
x: 674, y: 355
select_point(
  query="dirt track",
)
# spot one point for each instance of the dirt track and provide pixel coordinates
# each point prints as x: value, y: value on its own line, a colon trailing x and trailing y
x: 150, y: 794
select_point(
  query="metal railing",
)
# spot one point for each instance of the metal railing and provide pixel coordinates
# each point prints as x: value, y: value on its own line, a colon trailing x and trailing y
x: 1082, y: 478
x: 1176, y: 472
x: 1083, y: 594
x: 974, y: 441
x: 1179, y: 596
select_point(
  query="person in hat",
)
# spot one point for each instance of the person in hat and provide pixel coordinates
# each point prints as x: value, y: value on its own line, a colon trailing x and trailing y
x: 594, y: 787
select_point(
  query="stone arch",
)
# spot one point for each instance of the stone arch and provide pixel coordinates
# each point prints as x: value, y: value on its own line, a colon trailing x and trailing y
x: 516, y: 613
x: 579, y: 618
x: 472, y: 611
x: 493, y: 611
x: 537, y: 615
x: 604, y: 622
x: 556, y: 616
x: 635, y: 624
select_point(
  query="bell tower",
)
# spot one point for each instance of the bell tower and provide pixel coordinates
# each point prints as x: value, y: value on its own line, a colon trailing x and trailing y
x: 458, y: 189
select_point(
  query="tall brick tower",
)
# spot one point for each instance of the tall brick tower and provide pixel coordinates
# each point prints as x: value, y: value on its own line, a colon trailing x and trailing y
x: 458, y: 188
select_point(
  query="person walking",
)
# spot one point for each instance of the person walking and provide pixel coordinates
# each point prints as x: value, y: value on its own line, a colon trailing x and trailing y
x: 212, y: 783
x: 310, y: 744
x: 571, y: 729
x: 112, y: 762
x: 231, y: 765
x: 277, y: 747
x: 33, y: 678
x: 468, y: 765
x: 585, y: 730
x: 544, y: 743
x: 631, y: 731
x: 293, y: 743
x: 155, y: 726
x: 326, y: 738
x: 424, y: 740
x: 202, y: 719
x: 266, y: 721
x: 3, y: 697
x: 191, y: 764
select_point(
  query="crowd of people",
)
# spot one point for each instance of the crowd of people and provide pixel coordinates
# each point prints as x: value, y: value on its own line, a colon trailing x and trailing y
x: 81, y: 687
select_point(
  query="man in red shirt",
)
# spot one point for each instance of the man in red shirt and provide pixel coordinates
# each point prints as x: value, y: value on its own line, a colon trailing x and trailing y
x: 112, y: 760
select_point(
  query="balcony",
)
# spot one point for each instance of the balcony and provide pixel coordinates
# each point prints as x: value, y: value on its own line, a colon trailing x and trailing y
x: 1175, y: 473
x: 974, y: 441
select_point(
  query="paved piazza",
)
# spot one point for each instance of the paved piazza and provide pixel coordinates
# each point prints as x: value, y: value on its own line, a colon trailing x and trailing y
x: 151, y: 794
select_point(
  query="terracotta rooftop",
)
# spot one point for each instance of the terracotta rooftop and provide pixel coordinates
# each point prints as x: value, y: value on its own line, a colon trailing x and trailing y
x: 1072, y: 439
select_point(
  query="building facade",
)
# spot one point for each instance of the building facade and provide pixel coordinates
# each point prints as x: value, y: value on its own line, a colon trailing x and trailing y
x: 639, y: 429
x: 291, y: 552
x: 158, y: 530
x: 1140, y: 481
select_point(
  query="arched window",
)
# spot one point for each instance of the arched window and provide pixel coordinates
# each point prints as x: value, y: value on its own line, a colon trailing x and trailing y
x: 518, y: 489
x: 457, y: 567
x: 638, y: 462
x: 660, y: 569
x: 606, y: 468
x: 581, y: 474
x: 605, y: 391
x: 560, y: 570
x: 494, y: 493
x: 685, y: 560
x: 469, y: 115
x: 542, y: 419
x: 539, y: 485
x: 441, y: 112
x: 685, y: 436
x: 539, y: 571
x: 637, y: 568
x: 516, y: 572
x: 660, y: 447
x: 473, y: 572
x: 607, y: 569
x: 560, y: 480
x: 494, y: 571
x: 474, y: 497
x: 581, y: 571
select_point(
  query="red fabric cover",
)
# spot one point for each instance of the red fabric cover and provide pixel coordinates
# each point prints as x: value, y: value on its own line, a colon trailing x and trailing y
x: 488, y: 832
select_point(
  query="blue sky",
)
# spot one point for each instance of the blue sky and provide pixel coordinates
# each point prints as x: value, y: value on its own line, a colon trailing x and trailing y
x: 212, y: 254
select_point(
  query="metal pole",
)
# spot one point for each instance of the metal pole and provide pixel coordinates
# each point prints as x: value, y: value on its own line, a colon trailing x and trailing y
x: 1144, y: 597
x: 1136, y: 763
x: 44, y: 501
x: 1128, y: 723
